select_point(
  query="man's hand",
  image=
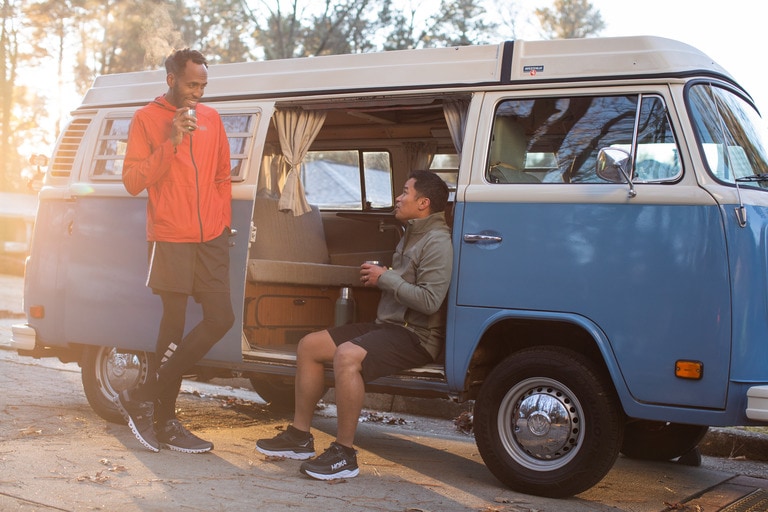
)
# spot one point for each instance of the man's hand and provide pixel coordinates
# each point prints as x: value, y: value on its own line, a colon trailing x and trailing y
x: 369, y: 274
x: 182, y: 124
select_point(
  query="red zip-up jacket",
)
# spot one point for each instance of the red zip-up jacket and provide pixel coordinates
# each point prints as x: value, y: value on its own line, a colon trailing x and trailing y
x: 189, y: 186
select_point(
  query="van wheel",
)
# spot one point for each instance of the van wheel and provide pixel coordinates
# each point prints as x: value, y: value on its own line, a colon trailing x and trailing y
x: 548, y: 422
x: 279, y: 393
x: 105, y: 372
x: 658, y: 440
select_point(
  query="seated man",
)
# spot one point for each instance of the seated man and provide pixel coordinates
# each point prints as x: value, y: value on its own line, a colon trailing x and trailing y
x: 409, y: 332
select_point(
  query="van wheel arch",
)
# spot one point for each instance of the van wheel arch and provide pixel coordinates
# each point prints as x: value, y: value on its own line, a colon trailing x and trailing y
x: 512, y: 335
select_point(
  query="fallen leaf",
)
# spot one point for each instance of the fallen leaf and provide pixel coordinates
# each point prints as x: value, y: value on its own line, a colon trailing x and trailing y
x: 98, y: 478
x: 30, y: 431
x: 464, y: 422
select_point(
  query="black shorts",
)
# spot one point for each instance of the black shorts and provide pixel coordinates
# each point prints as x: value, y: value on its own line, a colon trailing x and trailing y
x: 190, y: 268
x: 391, y: 348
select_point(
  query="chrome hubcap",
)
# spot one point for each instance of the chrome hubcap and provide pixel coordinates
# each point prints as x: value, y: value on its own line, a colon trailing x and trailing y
x: 540, y: 423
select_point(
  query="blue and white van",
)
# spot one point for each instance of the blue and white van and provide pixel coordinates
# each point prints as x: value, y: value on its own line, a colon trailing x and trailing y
x: 610, y: 229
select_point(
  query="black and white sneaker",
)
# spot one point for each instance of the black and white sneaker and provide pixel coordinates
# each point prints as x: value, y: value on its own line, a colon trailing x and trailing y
x: 291, y: 444
x: 174, y: 436
x: 140, y: 418
x: 335, y: 462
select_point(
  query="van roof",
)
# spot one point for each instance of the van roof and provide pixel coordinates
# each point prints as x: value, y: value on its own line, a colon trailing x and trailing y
x: 509, y: 62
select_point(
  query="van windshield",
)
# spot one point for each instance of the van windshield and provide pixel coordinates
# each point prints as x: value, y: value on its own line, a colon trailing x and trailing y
x: 731, y: 134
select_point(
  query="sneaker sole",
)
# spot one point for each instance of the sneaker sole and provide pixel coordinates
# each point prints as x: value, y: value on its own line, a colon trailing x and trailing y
x: 132, y: 425
x: 347, y: 473
x: 185, y: 450
x: 287, y: 454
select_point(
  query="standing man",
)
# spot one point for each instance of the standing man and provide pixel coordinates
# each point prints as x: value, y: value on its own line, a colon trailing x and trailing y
x: 178, y: 152
x: 409, y: 332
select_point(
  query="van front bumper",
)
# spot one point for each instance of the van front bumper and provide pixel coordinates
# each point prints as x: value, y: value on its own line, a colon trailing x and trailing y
x: 23, y: 337
x: 757, y: 403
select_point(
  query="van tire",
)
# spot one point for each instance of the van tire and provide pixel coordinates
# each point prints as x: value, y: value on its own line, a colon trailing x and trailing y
x: 585, y: 447
x: 659, y: 440
x: 105, y: 371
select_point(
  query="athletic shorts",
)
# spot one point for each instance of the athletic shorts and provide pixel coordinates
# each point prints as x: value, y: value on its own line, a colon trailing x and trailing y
x: 391, y: 348
x: 190, y: 268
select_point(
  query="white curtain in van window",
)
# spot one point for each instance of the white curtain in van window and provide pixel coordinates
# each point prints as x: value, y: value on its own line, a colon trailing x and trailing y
x: 419, y: 155
x: 272, y: 173
x: 455, y: 112
x: 296, y: 129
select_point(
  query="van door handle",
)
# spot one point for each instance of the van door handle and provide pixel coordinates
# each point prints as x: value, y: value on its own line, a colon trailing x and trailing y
x: 472, y: 238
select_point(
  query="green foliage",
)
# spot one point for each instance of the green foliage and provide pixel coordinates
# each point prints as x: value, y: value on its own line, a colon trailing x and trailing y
x: 570, y: 19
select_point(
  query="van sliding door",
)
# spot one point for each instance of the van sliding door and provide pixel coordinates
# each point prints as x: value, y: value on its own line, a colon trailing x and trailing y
x: 107, y: 302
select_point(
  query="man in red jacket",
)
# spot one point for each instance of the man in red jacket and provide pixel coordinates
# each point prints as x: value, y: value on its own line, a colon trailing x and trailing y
x: 178, y: 152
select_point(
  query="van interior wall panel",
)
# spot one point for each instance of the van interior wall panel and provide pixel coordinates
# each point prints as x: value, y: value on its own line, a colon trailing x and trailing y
x: 278, y: 315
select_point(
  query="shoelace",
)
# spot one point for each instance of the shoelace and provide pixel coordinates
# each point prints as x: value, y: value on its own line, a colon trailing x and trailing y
x: 177, y: 428
x: 332, y: 451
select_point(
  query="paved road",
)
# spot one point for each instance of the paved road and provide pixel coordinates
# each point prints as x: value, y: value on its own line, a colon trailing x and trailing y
x: 57, y: 454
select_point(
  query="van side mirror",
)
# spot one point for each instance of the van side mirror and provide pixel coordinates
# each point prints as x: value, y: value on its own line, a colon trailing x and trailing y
x: 612, y: 166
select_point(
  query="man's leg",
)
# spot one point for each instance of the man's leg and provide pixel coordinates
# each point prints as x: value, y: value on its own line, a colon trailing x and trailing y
x: 373, y: 354
x: 218, y: 318
x: 137, y: 405
x: 313, y: 352
x: 350, y: 390
x: 340, y: 459
x: 296, y: 442
x: 168, y: 341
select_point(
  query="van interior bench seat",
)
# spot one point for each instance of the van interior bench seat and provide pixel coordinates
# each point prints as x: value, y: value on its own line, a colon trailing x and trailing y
x: 303, y: 273
x: 293, y: 282
x: 292, y: 249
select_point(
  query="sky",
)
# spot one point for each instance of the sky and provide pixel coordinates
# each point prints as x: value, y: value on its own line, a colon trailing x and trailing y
x: 734, y: 33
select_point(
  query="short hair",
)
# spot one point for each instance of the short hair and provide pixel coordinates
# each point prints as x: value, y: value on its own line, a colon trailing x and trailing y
x: 177, y: 61
x: 430, y: 185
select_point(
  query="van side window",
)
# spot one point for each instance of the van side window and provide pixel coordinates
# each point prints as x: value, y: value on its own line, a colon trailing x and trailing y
x: 239, y: 128
x: 725, y: 127
x: 556, y: 140
x: 110, y: 151
x: 348, y: 179
x: 446, y: 166
x: 113, y: 137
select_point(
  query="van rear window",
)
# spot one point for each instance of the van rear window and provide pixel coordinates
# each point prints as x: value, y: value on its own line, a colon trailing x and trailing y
x: 113, y: 136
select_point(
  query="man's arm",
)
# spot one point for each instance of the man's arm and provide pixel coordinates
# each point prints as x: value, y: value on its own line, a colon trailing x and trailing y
x: 144, y: 163
x: 432, y: 280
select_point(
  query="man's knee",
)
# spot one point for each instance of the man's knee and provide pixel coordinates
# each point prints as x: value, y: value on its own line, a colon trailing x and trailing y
x: 316, y: 346
x: 221, y: 323
x: 218, y: 314
x: 349, y: 356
